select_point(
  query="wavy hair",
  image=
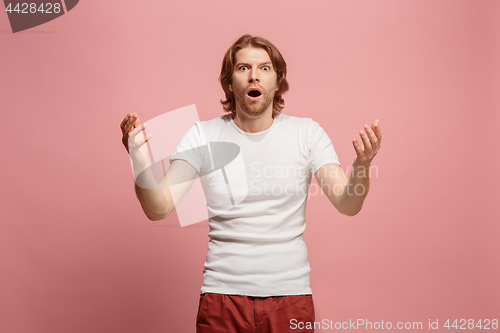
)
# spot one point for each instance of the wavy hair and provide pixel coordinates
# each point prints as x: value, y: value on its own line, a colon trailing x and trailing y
x: 226, y: 74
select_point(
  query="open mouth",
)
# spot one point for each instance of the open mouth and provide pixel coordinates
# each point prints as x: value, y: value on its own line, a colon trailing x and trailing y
x: 254, y: 93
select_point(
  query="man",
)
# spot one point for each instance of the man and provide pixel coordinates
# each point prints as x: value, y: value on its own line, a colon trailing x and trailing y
x: 256, y: 276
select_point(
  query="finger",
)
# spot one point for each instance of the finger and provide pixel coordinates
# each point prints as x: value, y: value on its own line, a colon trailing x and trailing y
x: 128, y: 125
x: 132, y: 140
x: 142, y: 140
x: 371, y: 135
x: 376, y: 129
x: 124, y: 121
x: 133, y: 122
x: 357, y: 147
x: 137, y: 120
x: 136, y: 130
x: 366, y: 140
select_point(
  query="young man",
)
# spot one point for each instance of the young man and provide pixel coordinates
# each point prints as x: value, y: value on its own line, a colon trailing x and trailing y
x: 256, y: 275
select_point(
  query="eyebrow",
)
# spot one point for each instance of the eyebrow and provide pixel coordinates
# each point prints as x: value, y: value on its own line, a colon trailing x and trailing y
x: 243, y: 63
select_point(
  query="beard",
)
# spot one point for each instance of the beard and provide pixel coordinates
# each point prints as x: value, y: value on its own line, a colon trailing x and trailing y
x: 253, y: 108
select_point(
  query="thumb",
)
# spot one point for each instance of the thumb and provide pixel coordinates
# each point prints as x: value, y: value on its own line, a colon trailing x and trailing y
x: 137, y: 121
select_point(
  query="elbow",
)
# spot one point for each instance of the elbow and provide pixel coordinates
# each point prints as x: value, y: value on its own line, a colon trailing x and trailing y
x: 349, y: 207
x: 154, y: 217
x: 156, y: 213
x: 157, y: 217
x: 351, y: 211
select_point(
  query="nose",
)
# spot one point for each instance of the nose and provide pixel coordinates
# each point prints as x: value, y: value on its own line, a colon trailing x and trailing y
x: 252, y: 76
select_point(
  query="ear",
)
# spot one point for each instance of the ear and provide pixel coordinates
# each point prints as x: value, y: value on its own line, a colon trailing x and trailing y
x: 230, y: 88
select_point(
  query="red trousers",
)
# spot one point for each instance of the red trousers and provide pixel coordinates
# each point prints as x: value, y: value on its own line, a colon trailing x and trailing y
x: 218, y: 313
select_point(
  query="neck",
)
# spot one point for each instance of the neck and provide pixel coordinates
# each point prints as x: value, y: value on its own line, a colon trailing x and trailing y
x: 253, y: 124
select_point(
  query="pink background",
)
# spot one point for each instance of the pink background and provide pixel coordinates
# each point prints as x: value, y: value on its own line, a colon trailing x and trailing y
x: 77, y: 254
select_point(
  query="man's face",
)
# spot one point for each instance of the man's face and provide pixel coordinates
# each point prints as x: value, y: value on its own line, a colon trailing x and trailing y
x: 254, y: 81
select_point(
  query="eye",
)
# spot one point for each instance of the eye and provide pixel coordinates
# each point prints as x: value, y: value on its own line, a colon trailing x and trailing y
x: 243, y: 67
x: 266, y: 68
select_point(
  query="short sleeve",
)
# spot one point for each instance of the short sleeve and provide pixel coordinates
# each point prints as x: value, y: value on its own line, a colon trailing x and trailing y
x: 321, y: 150
x: 189, y: 148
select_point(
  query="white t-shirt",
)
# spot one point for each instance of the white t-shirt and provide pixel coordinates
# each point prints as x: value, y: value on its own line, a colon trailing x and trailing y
x: 256, y: 245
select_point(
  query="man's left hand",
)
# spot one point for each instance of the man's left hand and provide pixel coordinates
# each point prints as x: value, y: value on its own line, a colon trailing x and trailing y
x: 371, y: 137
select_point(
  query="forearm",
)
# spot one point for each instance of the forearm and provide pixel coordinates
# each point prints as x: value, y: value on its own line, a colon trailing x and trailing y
x: 156, y: 201
x: 347, y: 194
x: 354, y: 191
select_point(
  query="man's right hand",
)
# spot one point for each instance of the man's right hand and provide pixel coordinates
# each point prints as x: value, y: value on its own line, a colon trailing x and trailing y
x: 130, y: 122
x: 160, y: 202
x: 134, y: 143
